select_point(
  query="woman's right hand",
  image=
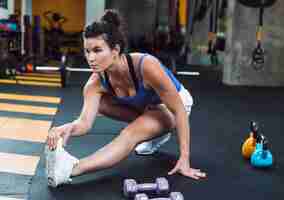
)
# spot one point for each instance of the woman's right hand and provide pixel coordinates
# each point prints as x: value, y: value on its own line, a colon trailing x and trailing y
x: 56, y: 133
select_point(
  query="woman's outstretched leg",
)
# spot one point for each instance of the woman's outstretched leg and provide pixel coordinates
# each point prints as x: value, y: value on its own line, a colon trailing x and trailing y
x: 148, y: 125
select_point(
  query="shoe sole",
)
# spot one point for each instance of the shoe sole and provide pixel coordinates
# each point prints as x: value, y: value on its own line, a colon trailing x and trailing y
x: 51, y: 179
x: 50, y: 168
x: 51, y: 157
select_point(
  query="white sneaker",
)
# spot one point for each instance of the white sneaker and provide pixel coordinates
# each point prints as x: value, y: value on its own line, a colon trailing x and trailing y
x: 151, y: 146
x: 59, y: 165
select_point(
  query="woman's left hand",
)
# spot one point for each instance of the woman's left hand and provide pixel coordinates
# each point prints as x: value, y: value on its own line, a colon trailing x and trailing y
x: 182, y: 166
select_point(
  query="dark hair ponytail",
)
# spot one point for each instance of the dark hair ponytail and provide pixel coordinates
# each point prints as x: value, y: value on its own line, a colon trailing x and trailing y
x: 111, y: 27
x: 112, y: 17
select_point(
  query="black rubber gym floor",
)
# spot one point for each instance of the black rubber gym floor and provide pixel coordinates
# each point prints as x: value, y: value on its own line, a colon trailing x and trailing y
x: 219, y: 123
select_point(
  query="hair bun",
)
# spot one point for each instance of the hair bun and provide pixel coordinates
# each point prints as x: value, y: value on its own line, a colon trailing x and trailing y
x: 112, y: 17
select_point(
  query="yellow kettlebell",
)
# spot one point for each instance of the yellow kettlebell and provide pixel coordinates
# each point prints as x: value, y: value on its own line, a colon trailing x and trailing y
x: 248, y: 146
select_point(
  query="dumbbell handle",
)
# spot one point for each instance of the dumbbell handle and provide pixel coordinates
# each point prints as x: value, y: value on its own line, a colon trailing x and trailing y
x: 147, y: 186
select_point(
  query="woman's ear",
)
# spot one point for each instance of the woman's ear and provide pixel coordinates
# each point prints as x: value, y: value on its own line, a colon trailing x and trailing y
x: 116, y: 50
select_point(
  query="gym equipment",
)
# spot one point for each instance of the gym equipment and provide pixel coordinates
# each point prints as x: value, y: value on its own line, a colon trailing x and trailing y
x: 257, y: 3
x: 201, y: 8
x: 248, y: 146
x: 191, y: 10
x: 261, y: 157
x: 221, y: 26
x: 162, y: 16
x: 182, y: 15
x: 8, y: 25
x: 131, y: 188
x: 197, y: 10
x: 216, y: 39
x: 258, y: 54
x: 36, y: 31
x: 9, y: 47
x: 28, y: 43
x: 173, y: 7
x: 212, y: 34
x: 63, y: 69
x: 173, y: 196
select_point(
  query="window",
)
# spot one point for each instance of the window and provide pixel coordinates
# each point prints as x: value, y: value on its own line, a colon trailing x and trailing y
x: 4, y: 4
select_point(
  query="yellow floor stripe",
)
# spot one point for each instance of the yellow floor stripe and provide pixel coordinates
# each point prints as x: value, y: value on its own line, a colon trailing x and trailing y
x: 18, y: 164
x: 2, y: 121
x: 33, y: 98
x: 31, y: 78
x: 32, y: 83
x: 7, y: 81
x: 55, y: 75
x: 24, y: 129
x: 27, y: 109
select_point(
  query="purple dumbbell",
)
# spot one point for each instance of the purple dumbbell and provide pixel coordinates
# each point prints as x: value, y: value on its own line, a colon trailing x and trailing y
x: 173, y: 196
x: 131, y: 188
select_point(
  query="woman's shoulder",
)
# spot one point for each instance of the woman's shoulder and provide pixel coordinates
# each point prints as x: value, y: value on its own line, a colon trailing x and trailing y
x: 139, y: 58
x: 93, y: 84
x: 136, y: 55
x: 139, y: 54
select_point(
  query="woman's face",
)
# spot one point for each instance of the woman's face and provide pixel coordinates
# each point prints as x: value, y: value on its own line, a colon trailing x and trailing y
x: 98, y: 53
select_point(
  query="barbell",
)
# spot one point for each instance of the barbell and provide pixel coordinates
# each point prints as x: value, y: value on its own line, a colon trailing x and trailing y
x: 63, y: 69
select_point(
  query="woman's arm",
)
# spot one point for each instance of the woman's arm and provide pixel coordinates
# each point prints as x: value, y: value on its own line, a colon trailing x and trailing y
x: 47, y: 15
x: 91, y: 94
x: 155, y: 76
x: 80, y: 126
x: 63, y: 19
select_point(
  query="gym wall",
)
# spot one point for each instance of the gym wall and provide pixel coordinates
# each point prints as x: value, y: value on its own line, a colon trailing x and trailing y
x: 139, y: 15
x: 73, y: 10
x: 94, y: 10
x: 242, y: 41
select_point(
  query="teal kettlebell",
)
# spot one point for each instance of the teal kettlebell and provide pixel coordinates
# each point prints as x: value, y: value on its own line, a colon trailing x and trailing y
x: 261, y: 157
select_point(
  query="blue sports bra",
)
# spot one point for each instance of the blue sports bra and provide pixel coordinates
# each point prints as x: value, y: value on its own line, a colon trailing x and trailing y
x: 143, y: 96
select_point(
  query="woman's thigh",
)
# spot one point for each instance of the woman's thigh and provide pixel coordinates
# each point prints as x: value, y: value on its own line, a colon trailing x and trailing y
x: 157, y: 119
x: 152, y: 123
